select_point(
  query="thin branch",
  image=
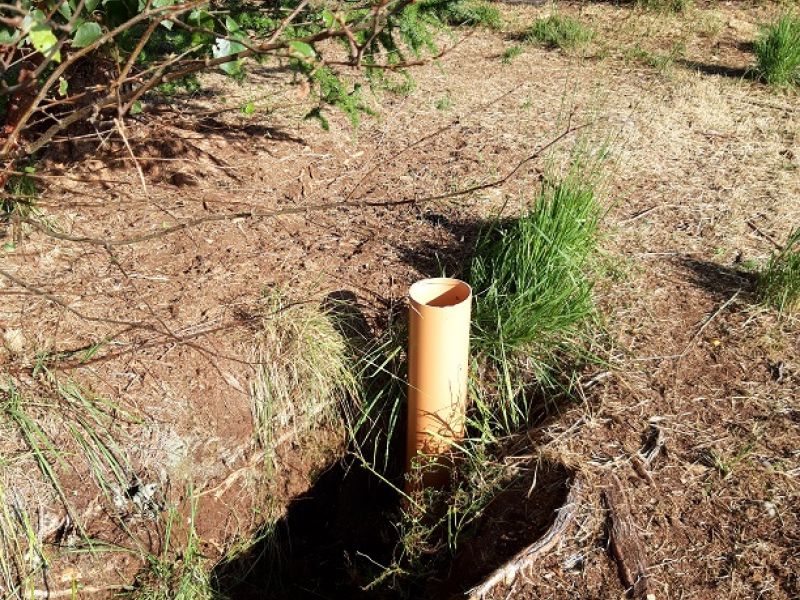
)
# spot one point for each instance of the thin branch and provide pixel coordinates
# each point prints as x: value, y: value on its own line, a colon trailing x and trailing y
x: 59, y: 302
x: 73, y: 58
x: 320, y: 207
x: 159, y: 72
x: 121, y: 129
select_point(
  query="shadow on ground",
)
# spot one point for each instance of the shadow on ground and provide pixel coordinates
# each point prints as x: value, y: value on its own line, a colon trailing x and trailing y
x: 716, y: 69
x: 720, y: 280
x: 167, y: 134
x: 337, y: 539
x: 453, y: 258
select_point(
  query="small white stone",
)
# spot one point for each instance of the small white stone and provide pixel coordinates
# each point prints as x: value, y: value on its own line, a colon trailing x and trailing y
x: 770, y: 508
x: 14, y: 341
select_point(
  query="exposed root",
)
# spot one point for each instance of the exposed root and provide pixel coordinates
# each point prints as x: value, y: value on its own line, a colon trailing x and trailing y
x: 527, y: 556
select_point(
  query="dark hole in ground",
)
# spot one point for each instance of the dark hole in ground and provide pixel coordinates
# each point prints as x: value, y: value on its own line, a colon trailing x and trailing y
x: 338, y: 538
x: 335, y: 538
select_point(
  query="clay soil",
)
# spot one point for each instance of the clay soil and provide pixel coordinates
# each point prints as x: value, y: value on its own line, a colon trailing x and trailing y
x: 703, y: 181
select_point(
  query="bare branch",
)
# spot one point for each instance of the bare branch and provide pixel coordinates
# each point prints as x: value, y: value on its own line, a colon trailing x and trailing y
x: 311, y: 208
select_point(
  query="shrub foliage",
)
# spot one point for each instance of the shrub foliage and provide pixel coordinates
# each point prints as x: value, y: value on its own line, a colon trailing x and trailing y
x: 66, y: 61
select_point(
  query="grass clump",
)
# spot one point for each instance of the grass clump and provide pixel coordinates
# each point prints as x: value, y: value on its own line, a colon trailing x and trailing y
x: 304, y: 369
x: 179, y: 571
x: 510, y: 54
x: 778, y: 52
x: 660, y: 62
x: 51, y: 425
x: 559, y: 31
x: 779, y: 281
x: 465, y: 12
x: 529, y: 274
x: 673, y: 6
x: 22, y: 556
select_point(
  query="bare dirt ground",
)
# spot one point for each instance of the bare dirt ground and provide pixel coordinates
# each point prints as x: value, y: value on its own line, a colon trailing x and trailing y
x: 704, y: 179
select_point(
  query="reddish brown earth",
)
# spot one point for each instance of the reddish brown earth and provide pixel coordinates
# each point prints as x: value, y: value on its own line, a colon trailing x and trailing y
x: 704, y: 178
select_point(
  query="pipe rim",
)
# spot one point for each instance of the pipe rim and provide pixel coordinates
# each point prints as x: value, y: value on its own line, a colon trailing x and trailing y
x: 415, y: 292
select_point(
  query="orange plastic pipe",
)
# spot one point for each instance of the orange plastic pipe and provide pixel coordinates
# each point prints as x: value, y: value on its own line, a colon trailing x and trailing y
x: 438, y: 365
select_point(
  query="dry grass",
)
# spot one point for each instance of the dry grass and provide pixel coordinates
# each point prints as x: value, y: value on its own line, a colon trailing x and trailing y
x: 305, y: 375
x: 54, y: 431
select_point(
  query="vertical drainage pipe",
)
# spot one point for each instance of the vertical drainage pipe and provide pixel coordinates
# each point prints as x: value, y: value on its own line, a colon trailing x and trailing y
x: 438, y: 365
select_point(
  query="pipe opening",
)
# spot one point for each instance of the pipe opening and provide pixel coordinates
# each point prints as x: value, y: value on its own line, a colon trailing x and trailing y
x: 441, y: 292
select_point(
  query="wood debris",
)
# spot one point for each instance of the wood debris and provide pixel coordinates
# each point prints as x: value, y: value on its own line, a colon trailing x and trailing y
x: 624, y: 543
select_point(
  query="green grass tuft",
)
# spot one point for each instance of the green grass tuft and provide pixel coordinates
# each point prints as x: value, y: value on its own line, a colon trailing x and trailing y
x: 179, y: 571
x: 510, y: 54
x: 559, y: 31
x: 779, y: 282
x: 529, y: 275
x: 660, y: 62
x: 778, y: 52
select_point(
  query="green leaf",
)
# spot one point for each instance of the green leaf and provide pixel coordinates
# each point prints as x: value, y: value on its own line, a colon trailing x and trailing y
x: 63, y: 87
x: 44, y: 40
x: 231, y: 25
x: 86, y: 35
x: 65, y: 10
x: 6, y: 37
x: 136, y: 107
x: 166, y: 23
x: 41, y: 36
x: 201, y: 18
x: 328, y: 18
x: 223, y: 48
x: 249, y: 108
x: 91, y: 4
x: 302, y: 49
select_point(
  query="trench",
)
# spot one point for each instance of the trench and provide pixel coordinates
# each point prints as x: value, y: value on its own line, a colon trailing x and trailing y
x: 338, y: 539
